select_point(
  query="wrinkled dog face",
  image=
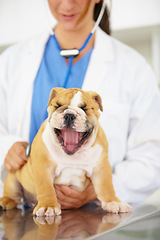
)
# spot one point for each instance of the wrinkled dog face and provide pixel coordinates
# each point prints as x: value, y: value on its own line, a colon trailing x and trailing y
x: 73, y: 115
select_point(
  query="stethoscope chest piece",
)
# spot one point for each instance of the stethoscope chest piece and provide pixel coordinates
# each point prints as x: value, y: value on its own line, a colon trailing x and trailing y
x: 28, y: 150
x: 69, y: 52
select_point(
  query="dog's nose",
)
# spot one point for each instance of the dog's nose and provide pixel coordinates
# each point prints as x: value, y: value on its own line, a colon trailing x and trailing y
x: 69, y: 119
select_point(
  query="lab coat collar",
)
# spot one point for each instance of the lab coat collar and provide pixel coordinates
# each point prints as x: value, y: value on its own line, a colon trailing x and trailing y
x: 102, y: 54
x: 37, y: 43
x: 103, y: 46
x: 100, y: 61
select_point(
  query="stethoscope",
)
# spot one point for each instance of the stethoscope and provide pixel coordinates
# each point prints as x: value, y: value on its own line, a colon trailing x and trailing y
x: 70, y: 54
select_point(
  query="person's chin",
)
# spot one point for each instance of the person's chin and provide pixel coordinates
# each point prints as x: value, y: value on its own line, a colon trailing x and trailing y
x: 68, y: 27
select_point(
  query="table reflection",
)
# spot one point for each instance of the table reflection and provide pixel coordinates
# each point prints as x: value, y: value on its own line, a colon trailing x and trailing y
x: 72, y: 224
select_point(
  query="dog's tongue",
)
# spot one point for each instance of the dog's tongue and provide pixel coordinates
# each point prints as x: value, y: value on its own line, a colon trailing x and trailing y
x: 70, y: 138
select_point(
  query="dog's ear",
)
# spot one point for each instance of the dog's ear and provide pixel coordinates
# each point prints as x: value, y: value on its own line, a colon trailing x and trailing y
x: 54, y: 93
x: 97, y: 98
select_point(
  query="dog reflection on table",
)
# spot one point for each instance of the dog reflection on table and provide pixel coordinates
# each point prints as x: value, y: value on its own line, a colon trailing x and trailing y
x: 79, y: 223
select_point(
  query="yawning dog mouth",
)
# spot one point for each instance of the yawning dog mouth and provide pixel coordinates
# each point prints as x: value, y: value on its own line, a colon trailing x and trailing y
x: 71, y: 140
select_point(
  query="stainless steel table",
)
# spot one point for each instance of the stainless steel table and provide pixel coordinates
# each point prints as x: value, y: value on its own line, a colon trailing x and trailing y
x: 88, y: 222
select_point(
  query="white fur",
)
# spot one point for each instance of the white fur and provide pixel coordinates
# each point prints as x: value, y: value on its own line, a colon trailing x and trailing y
x: 73, y: 177
x: 57, y: 119
x: 76, y: 100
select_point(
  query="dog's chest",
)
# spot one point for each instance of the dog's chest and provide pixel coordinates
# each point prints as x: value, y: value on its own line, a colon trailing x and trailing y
x: 72, y: 177
x: 75, y: 171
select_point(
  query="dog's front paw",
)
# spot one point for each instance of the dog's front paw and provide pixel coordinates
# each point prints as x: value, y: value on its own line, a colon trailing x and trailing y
x: 7, y: 203
x: 117, y: 207
x: 46, y: 211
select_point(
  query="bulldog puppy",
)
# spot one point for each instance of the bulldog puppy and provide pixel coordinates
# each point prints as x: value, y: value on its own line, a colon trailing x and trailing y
x: 70, y: 148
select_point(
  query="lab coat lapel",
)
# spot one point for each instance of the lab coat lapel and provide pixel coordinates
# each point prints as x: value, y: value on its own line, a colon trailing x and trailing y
x: 101, y: 58
x: 34, y: 53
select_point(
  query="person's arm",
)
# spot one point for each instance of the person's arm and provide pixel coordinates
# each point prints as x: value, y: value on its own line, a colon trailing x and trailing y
x: 138, y: 175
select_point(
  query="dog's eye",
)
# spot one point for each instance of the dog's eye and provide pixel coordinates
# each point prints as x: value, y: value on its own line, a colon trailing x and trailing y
x: 58, y: 105
x: 83, y: 107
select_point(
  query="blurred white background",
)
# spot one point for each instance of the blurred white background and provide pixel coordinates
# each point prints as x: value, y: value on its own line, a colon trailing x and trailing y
x: 134, y: 22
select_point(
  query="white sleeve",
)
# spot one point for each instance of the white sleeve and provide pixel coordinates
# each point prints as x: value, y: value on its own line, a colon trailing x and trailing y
x: 138, y: 175
x: 6, y: 138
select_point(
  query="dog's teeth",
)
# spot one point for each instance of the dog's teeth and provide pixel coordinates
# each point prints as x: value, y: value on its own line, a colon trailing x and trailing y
x: 80, y: 135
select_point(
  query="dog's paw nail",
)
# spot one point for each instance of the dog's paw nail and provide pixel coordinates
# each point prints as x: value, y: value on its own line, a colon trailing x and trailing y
x: 52, y: 211
x: 49, y: 212
x: 40, y: 212
x: 57, y: 211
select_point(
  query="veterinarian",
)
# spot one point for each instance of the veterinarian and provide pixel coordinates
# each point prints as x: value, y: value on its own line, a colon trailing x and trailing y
x: 126, y: 83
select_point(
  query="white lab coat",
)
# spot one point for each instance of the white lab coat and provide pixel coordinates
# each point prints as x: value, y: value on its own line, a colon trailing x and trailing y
x: 131, y: 102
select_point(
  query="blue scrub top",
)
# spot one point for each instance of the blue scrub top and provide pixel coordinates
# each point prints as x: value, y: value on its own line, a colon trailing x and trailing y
x: 52, y: 73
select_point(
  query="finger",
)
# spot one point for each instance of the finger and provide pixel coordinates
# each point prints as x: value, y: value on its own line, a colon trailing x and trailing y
x: 11, y: 166
x: 87, y: 195
x: 8, y: 167
x: 67, y: 202
x: 70, y: 198
x: 62, y: 197
x: 69, y: 205
x: 15, y: 158
x: 13, y: 162
x: 20, y: 150
x: 69, y: 192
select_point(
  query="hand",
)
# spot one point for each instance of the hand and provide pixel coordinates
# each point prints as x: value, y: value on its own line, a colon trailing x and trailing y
x: 16, y: 157
x: 70, y: 198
